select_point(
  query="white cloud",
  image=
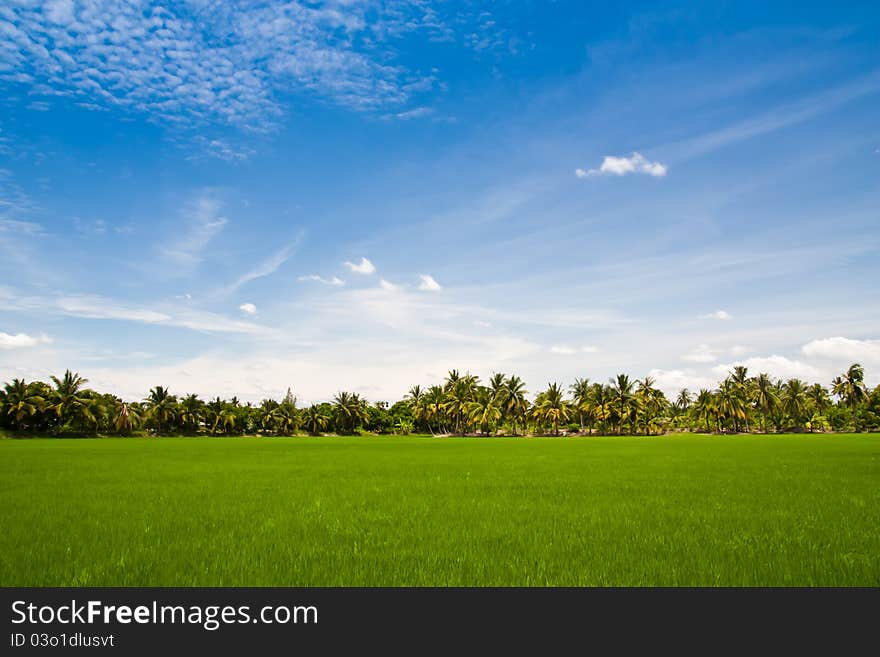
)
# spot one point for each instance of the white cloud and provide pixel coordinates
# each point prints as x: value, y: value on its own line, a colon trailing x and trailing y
x: 671, y: 381
x: 362, y: 267
x: 482, y: 324
x: 428, y: 283
x: 779, y: 367
x: 333, y: 280
x: 248, y: 308
x: 701, y: 354
x: 60, y: 11
x: 22, y: 340
x: 569, y: 350
x: 621, y: 166
x: 844, y: 349
x: 718, y: 314
x: 387, y: 285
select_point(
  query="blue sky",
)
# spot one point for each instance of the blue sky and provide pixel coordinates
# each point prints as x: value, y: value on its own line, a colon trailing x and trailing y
x: 363, y: 195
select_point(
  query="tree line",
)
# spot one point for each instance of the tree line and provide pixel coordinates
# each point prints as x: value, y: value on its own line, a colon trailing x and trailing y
x: 461, y: 405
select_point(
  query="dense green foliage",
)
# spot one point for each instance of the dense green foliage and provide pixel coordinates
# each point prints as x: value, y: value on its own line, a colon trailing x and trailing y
x: 460, y: 406
x: 670, y: 510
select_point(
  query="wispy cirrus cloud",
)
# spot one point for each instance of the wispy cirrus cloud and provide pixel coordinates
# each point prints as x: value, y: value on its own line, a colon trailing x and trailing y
x: 407, y: 115
x: 97, y: 307
x: 20, y: 227
x: 202, y: 222
x: 780, y: 117
x: 268, y: 266
x: 14, y: 202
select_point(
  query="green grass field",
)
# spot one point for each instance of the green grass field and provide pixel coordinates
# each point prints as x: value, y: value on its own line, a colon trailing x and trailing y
x: 676, y: 510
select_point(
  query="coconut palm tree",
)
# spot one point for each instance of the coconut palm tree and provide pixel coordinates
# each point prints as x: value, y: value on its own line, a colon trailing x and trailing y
x: 818, y: 398
x: 817, y: 421
x: 741, y: 382
x: 316, y: 419
x: 599, y: 405
x: 20, y: 401
x: 459, y: 393
x: 730, y: 403
x: 678, y: 410
x: 435, y: 408
x: 161, y: 408
x: 191, y: 413
x: 683, y: 400
x: 850, y: 388
x: 417, y: 400
x: 580, y: 392
x: 794, y: 401
x: 650, y: 405
x: 553, y: 407
x: 622, y: 399
x: 286, y: 418
x: 268, y: 415
x: 69, y: 400
x: 452, y: 377
x: 764, y: 397
x: 484, y: 411
x: 704, y: 407
x: 349, y: 410
x: 496, y: 385
x: 226, y: 419
x: 516, y: 405
x: 126, y: 417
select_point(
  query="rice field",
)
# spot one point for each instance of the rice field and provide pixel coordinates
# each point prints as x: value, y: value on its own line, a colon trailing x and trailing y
x: 788, y: 510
